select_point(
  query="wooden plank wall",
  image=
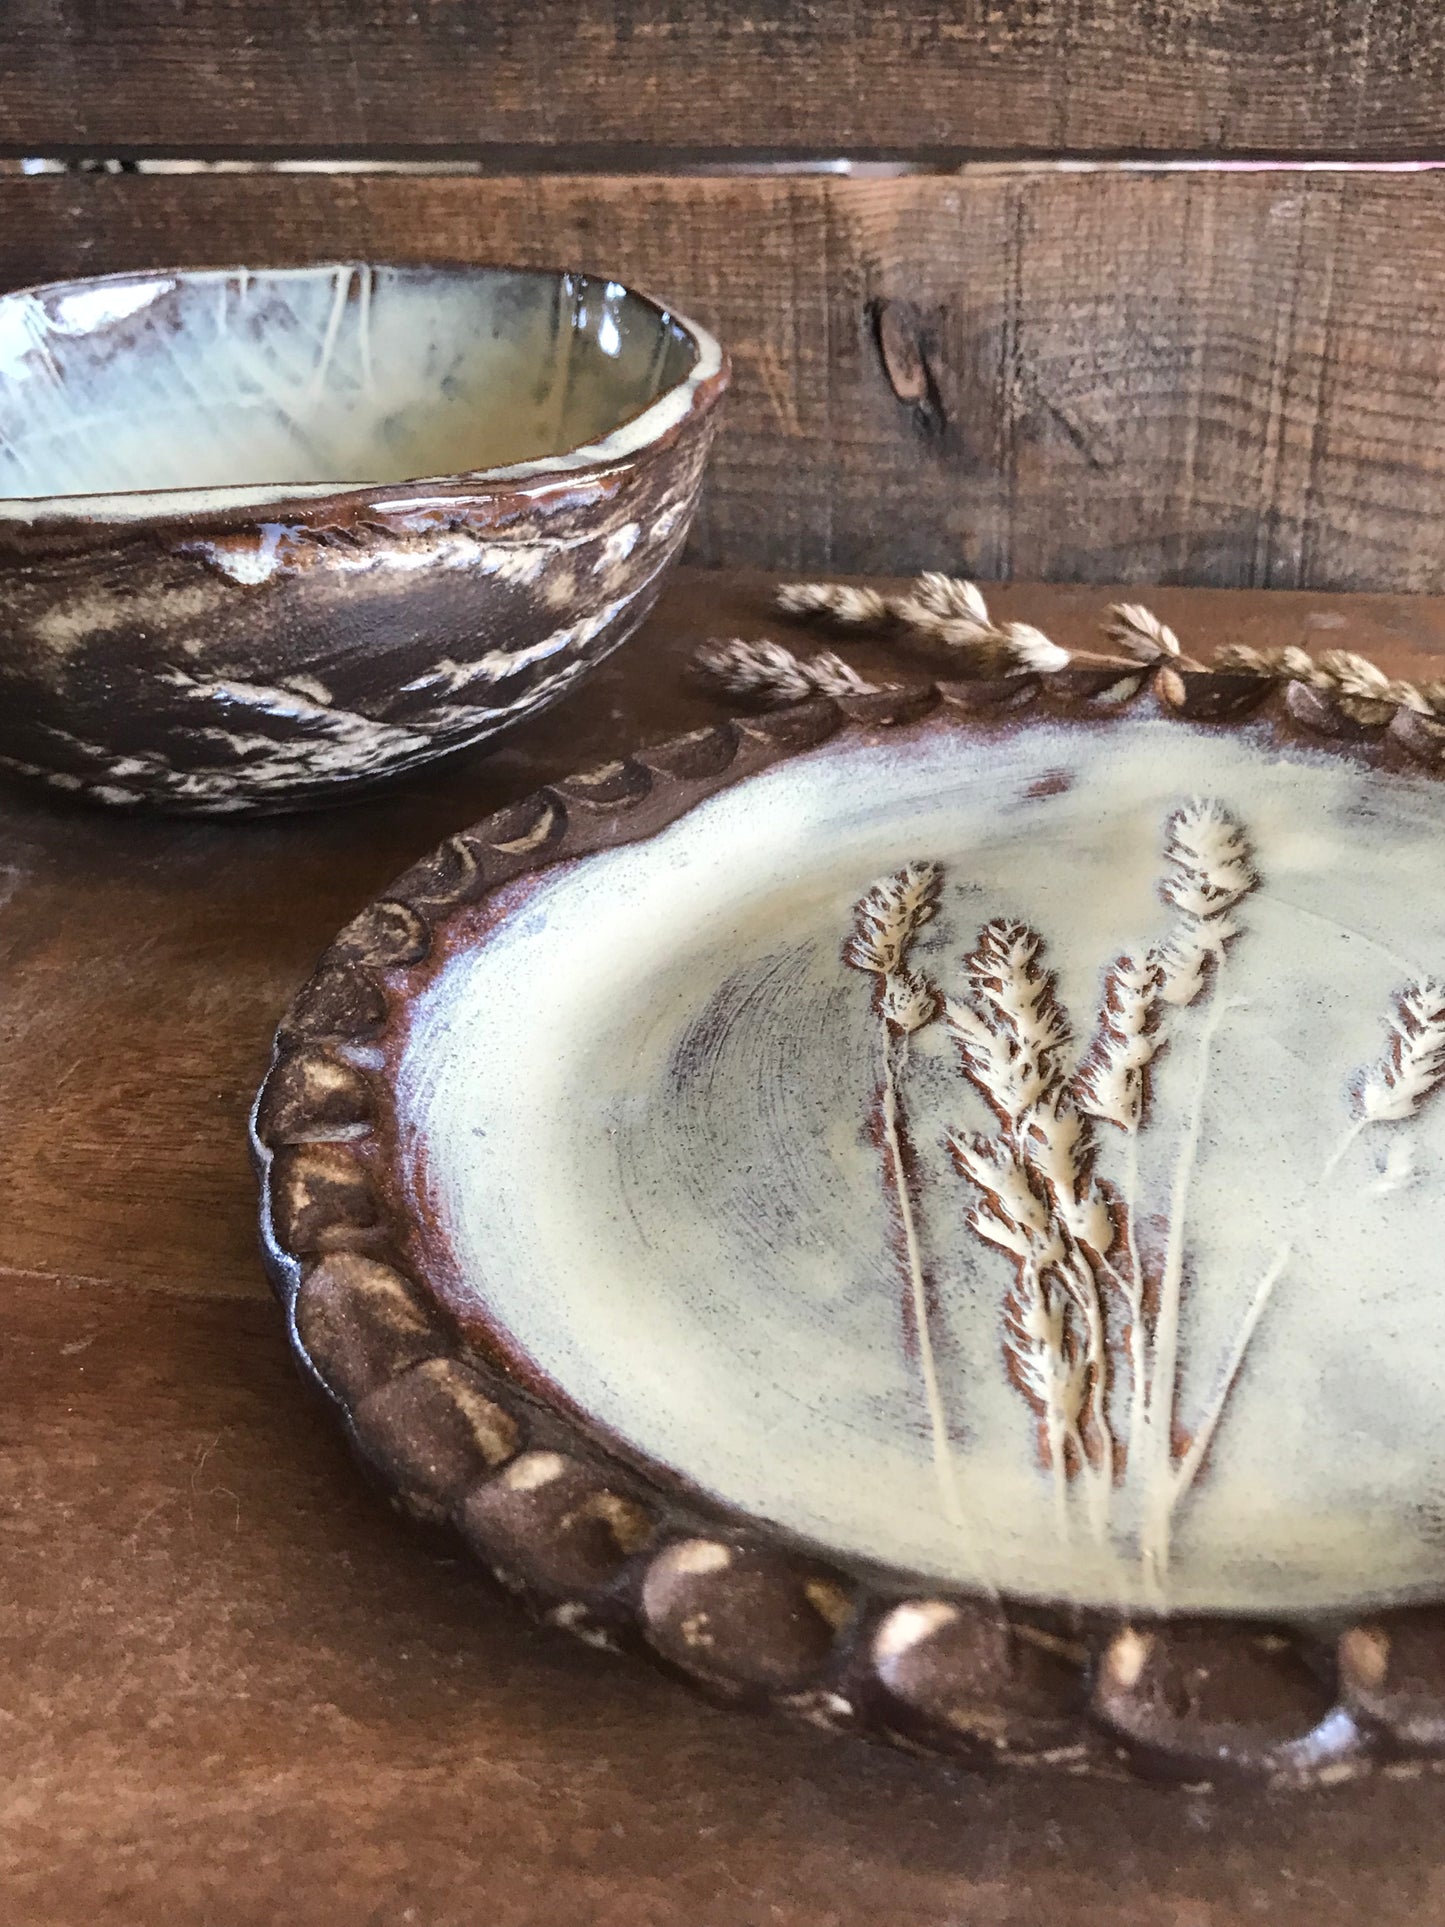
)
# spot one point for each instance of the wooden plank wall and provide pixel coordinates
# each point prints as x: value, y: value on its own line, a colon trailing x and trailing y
x: 907, y: 77
x: 1011, y: 351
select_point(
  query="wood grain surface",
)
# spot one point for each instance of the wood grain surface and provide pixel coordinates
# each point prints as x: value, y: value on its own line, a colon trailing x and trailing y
x: 1213, y: 378
x: 790, y: 76
x: 235, y: 1688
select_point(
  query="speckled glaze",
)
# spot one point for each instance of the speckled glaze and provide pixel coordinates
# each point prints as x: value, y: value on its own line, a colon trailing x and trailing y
x: 587, y: 1508
x: 267, y: 536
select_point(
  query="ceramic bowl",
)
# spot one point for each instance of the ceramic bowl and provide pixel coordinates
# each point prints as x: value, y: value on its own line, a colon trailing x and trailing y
x: 267, y: 535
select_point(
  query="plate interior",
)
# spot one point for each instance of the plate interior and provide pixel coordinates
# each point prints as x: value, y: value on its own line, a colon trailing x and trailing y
x: 671, y: 1145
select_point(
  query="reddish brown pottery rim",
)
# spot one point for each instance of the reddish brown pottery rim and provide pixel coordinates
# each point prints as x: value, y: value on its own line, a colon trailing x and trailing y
x: 615, y: 1553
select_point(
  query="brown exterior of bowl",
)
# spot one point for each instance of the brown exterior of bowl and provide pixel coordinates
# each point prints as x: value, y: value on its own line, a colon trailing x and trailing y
x: 272, y: 657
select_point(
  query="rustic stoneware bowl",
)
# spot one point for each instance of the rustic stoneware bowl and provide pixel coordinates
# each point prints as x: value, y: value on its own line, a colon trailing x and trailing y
x: 268, y: 535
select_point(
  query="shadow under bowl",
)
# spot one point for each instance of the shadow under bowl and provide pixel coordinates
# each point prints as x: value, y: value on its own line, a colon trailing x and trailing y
x: 270, y: 535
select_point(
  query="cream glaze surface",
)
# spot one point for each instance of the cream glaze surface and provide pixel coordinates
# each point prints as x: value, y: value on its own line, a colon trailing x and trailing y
x: 649, y: 1105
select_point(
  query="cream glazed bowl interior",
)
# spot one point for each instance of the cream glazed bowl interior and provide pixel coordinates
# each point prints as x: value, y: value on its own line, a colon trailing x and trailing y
x: 267, y: 534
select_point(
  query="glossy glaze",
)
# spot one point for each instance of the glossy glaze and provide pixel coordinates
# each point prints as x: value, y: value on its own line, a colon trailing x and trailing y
x: 662, y: 1179
x: 369, y: 1172
x: 270, y: 534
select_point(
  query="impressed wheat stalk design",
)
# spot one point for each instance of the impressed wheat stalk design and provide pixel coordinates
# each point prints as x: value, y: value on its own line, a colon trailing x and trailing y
x: 885, y: 924
x: 1081, y: 1300
x: 1211, y: 871
x: 1391, y: 1092
x: 1113, y: 1087
x: 1038, y: 1201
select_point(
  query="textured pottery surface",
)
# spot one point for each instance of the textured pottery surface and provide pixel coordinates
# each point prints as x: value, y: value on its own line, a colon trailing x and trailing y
x: 995, y: 1158
x: 267, y: 534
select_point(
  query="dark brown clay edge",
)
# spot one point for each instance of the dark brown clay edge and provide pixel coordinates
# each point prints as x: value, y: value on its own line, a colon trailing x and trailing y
x: 740, y: 1611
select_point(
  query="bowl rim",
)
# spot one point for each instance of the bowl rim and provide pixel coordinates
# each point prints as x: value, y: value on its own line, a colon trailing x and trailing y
x: 651, y: 426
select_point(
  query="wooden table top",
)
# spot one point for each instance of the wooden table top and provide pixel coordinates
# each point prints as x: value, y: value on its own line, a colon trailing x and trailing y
x: 236, y: 1687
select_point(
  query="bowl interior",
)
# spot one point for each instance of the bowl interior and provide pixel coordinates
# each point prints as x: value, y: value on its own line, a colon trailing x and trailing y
x: 339, y: 375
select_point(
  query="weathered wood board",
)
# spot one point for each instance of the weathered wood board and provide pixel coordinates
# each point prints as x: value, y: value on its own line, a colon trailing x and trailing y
x: 778, y: 76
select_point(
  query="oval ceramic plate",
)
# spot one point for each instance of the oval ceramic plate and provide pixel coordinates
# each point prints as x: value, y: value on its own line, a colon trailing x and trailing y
x: 925, y: 1210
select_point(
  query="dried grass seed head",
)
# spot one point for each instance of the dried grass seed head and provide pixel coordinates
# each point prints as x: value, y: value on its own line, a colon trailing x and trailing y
x: 1211, y: 859
x: 1058, y: 1146
x: 889, y: 916
x: 1012, y: 1035
x: 1031, y: 649
x: 766, y: 672
x: 949, y: 597
x: 938, y: 613
x: 1365, y: 689
x: 1034, y: 1340
x: 908, y: 1002
x: 1004, y: 972
x: 1139, y: 633
x: 1361, y: 687
x: 841, y: 602
x: 1241, y: 660
x: 1015, y: 1217
x: 1187, y: 956
x: 1112, y: 1085
x: 987, y: 1054
x: 1413, y: 1068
